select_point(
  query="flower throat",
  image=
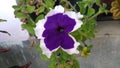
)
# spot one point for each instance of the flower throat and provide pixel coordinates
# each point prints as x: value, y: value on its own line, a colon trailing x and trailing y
x: 60, y: 29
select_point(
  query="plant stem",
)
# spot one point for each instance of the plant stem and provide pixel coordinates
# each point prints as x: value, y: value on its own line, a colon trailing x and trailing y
x: 71, y: 5
x: 94, y: 15
x: 30, y: 19
x: 5, y: 32
x: 84, y: 44
x: 82, y: 33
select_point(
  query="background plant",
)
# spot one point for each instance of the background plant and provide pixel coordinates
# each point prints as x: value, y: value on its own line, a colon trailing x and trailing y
x: 30, y: 11
x: 115, y: 9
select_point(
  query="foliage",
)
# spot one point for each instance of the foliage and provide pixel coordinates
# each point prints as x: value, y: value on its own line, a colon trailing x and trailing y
x: 30, y: 11
x: 1, y: 20
x: 61, y: 59
x: 115, y: 9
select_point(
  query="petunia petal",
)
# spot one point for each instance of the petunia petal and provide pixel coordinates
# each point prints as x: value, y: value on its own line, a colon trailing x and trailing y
x: 52, y: 41
x: 66, y: 22
x: 77, y: 25
x: 75, y: 16
x: 51, y: 22
x: 45, y: 50
x: 60, y: 20
x: 74, y: 49
x: 79, y: 15
x: 39, y: 28
x: 67, y: 42
x: 57, y: 9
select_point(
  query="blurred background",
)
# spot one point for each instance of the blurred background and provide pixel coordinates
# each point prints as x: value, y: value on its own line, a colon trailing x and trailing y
x: 105, y: 52
x: 13, y: 25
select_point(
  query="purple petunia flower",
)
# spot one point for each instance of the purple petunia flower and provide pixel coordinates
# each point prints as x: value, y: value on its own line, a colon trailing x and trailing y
x: 54, y: 31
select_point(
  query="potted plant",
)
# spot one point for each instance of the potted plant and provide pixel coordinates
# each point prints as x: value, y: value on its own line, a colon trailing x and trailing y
x: 62, y: 28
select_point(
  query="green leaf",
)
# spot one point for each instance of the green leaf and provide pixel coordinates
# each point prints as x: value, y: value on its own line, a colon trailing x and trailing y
x: 31, y: 22
x: 80, y: 48
x: 28, y: 28
x: 44, y: 57
x: 98, y: 2
x: 105, y: 6
x: 90, y: 47
x: 16, y: 7
x: 37, y: 47
x: 39, y: 18
x: 91, y: 35
x: 49, y: 3
x: 103, y: 9
x: 81, y: 5
x: 76, y: 64
x: 76, y: 35
x: 91, y: 11
x: 20, y: 1
x: 20, y: 14
x: 52, y: 65
x: 41, y: 9
x: 30, y: 9
x: 79, y: 35
x: 83, y: 38
x: 1, y: 20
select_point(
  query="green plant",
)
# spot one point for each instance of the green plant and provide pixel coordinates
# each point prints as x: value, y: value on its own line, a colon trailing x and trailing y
x: 31, y: 11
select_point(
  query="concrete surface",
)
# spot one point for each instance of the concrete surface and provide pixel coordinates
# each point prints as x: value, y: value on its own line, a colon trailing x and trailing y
x: 106, y: 47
